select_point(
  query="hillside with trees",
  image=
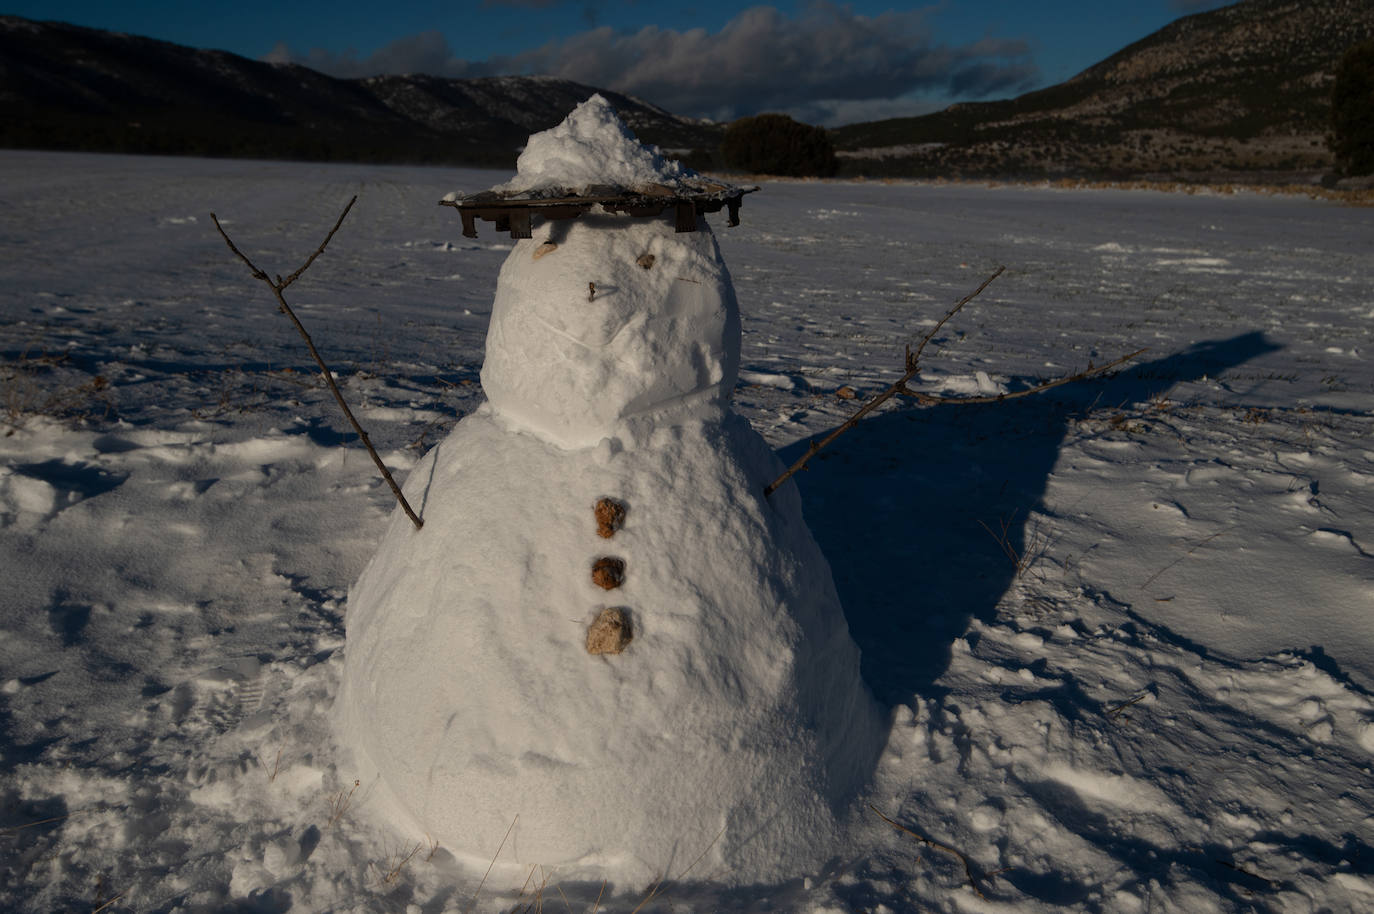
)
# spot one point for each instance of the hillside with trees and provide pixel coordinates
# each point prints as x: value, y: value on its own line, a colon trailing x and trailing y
x: 1241, y: 92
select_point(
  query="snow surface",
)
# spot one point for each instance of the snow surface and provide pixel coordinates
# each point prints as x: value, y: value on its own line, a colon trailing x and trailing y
x: 1168, y: 708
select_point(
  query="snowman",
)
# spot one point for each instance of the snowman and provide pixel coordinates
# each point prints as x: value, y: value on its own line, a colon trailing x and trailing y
x: 607, y: 652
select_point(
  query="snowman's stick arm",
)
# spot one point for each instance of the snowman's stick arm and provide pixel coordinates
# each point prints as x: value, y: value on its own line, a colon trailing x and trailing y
x: 913, y: 367
x: 277, y: 286
x: 929, y: 400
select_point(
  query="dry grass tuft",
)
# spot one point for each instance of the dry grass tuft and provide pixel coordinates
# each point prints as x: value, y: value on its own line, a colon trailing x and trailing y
x: 339, y: 803
x: 390, y: 869
x: 274, y: 770
x: 1037, y: 543
x: 32, y: 386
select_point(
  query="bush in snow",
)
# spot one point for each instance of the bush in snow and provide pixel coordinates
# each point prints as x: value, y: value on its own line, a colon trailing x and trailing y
x: 1352, y: 111
x: 774, y: 144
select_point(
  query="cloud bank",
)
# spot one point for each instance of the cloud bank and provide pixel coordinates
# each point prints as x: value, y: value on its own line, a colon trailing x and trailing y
x: 827, y: 65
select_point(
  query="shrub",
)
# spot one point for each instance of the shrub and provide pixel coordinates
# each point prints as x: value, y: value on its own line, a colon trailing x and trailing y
x: 774, y: 144
x: 1352, y: 111
x: 698, y: 160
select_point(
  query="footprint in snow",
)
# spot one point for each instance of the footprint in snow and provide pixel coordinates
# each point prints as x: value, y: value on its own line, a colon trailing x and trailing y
x: 217, y: 700
x: 31, y: 493
x: 68, y: 620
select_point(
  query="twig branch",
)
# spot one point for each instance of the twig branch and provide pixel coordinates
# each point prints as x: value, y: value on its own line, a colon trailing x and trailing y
x: 278, y: 286
x: 913, y: 360
x: 929, y: 400
x: 1200, y: 543
x: 1253, y: 875
x: 283, y: 283
x: 108, y: 903
x: 912, y: 367
x: 968, y: 870
x: 15, y: 828
x: 1120, y: 709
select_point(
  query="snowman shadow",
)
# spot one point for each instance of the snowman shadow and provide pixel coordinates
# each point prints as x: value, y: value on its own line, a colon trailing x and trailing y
x: 917, y: 509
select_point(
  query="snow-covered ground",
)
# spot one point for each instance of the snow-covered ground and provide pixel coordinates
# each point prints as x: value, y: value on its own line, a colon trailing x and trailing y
x: 1124, y: 629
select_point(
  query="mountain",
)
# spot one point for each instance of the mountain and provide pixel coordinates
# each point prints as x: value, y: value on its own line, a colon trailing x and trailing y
x: 67, y: 87
x: 1238, y: 92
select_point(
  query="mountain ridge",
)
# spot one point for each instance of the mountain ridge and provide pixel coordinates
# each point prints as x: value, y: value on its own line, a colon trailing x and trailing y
x: 1237, y: 93
x: 69, y: 87
x: 1241, y: 90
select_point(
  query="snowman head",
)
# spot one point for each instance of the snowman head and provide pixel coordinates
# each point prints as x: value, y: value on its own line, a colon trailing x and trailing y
x: 608, y: 323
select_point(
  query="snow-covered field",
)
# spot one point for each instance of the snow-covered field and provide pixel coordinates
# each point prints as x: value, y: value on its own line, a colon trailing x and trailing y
x: 1124, y: 629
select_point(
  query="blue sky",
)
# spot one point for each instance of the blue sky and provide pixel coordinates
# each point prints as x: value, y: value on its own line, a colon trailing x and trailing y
x: 820, y: 61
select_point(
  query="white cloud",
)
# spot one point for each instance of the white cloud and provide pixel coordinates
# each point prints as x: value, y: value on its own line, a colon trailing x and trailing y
x: 826, y: 59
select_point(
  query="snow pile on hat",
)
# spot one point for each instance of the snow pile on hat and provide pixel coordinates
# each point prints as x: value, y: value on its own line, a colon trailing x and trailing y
x: 593, y: 147
x: 605, y: 633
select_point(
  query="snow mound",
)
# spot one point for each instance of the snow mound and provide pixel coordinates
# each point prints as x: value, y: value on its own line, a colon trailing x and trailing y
x: 591, y: 147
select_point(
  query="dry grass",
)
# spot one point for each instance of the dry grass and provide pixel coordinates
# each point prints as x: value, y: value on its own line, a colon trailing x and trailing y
x: 390, y: 869
x: 499, y: 848
x: 1023, y: 559
x: 1347, y: 196
x: 274, y: 770
x: 35, y: 384
x: 527, y: 903
x: 1350, y: 197
x: 339, y: 803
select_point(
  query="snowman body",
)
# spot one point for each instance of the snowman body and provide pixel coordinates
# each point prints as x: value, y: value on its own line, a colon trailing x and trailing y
x: 733, y: 725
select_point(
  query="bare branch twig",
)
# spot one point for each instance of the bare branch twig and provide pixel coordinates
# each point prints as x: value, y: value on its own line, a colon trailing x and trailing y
x: 1120, y: 709
x: 283, y: 283
x: 1253, y: 875
x: 968, y: 870
x: 913, y: 360
x: 108, y: 903
x: 15, y: 828
x: 1200, y: 543
x: 278, y: 286
x: 1092, y: 370
x: 912, y: 367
